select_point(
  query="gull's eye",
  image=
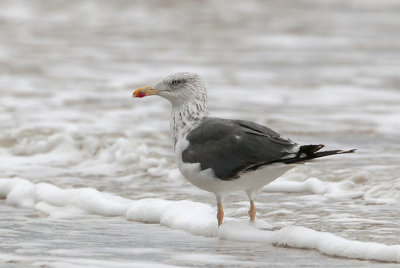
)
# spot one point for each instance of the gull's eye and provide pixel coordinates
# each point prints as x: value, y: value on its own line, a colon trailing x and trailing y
x: 175, y: 82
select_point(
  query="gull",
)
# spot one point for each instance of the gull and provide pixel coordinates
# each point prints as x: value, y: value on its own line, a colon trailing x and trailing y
x: 225, y: 155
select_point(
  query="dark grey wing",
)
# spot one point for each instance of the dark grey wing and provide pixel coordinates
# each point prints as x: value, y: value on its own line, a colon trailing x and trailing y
x: 233, y: 146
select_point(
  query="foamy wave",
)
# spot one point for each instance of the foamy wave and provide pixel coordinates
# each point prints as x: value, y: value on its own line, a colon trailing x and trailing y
x: 194, y: 217
x: 326, y: 243
x: 355, y: 185
x: 29, y: 146
x: 83, y: 154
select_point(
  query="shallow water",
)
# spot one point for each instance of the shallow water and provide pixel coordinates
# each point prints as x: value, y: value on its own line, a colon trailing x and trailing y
x: 105, y: 242
x: 323, y: 72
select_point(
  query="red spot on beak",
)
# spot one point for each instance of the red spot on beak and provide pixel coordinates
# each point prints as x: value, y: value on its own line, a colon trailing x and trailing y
x: 144, y: 92
x: 140, y: 95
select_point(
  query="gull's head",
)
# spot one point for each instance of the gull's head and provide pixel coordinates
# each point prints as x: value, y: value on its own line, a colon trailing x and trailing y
x: 178, y: 88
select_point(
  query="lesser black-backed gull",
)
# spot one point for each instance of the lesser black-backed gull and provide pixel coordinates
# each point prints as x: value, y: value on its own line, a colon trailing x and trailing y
x: 223, y: 155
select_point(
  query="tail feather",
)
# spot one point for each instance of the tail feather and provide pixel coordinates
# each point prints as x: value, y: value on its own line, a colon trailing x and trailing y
x: 307, y: 152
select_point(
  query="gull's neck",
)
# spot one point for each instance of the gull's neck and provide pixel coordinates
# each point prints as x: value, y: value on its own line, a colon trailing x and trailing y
x: 185, y: 116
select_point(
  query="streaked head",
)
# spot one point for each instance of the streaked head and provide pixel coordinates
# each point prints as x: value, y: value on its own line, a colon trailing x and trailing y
x: 177, y: 88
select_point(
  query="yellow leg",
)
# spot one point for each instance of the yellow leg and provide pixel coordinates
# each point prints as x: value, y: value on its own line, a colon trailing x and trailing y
x: 252, y: 211
x: 220, y: 215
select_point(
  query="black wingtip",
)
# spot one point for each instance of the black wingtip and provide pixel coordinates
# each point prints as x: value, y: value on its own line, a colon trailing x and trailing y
x: 327, y: 153
x: 347, y: 152
x: 308, y: 152
x: 313, y: 149
x: 310, y: 149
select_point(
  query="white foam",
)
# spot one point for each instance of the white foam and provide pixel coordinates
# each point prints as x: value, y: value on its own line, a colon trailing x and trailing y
x: 194, y: 217
x: 330, y: 190
x: 326, y: 243
x: 147, y: 210
x: 340, y: 187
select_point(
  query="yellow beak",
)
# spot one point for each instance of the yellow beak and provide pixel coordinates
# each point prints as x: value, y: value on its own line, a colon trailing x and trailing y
x: 145, y: 91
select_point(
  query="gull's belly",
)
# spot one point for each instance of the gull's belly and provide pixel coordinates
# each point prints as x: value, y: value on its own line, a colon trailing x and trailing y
x: 253, y: 180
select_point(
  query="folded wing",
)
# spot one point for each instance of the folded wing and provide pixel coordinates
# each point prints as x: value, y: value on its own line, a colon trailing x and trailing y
x: 230, y: 147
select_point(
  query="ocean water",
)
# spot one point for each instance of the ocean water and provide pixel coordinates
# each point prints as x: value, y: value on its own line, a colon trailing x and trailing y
x: 87, y: 174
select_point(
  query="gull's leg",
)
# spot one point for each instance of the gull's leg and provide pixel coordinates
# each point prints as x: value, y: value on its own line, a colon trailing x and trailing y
x: 252, y: 211
x: 220, y: 214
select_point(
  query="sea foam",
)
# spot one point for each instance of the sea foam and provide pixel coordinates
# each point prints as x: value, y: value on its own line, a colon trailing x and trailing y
x: 193, y: 217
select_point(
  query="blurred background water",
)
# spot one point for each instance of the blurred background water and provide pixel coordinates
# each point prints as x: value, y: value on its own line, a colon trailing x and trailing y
x: 315, y: 71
